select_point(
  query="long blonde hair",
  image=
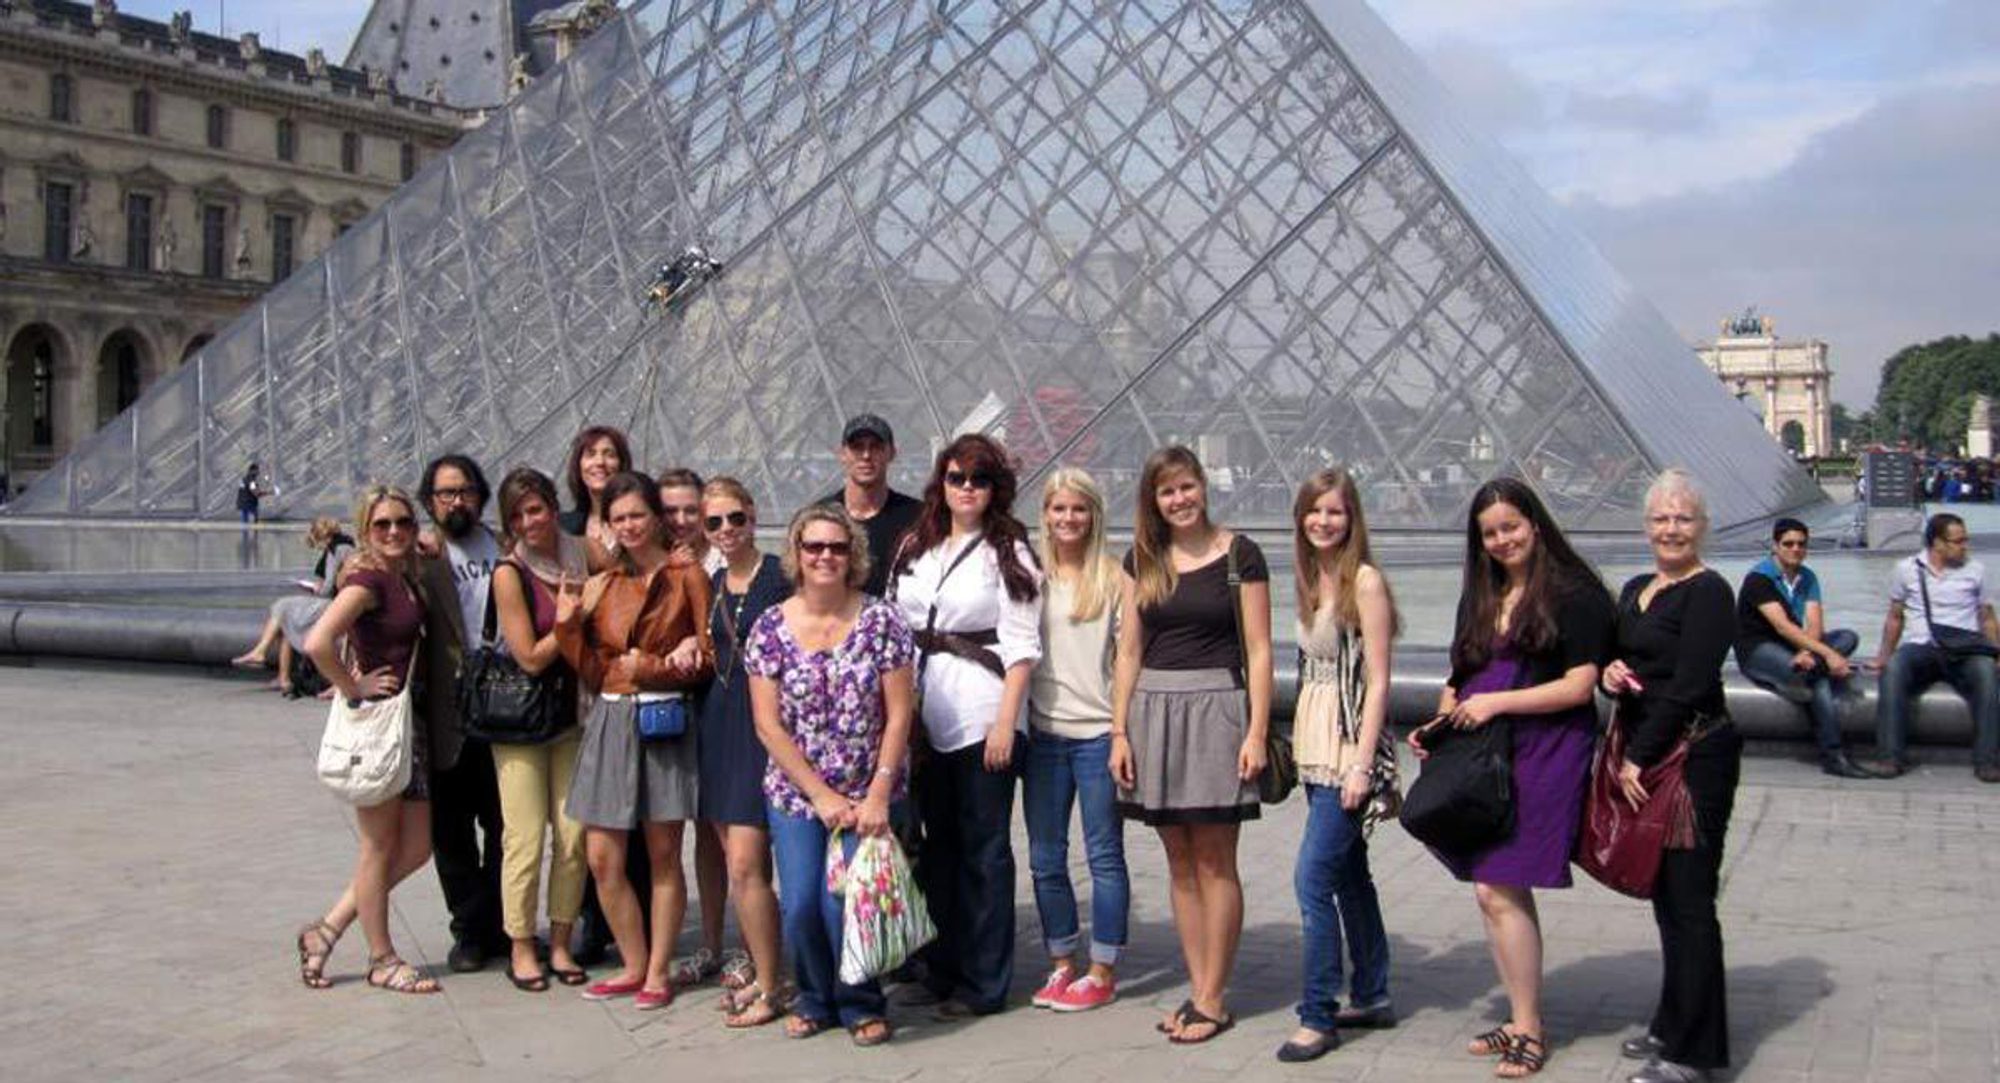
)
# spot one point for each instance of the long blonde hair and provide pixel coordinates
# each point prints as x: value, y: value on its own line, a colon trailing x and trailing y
x: 1152, y: 565
x: 1097, y: 586
x: 1348, y: 560
x: 367, y: 557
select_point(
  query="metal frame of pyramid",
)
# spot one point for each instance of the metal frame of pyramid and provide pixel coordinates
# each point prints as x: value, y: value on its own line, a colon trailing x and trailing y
x: 1089, y: 227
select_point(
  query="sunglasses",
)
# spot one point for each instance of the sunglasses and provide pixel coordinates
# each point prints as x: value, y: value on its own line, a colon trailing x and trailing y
x: 401, y: 522
x: 959, y: 479
x: 734, y: 518
x: 825, y: 548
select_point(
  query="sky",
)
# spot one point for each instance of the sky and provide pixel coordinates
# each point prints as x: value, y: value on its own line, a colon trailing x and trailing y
x: 1832, y: 162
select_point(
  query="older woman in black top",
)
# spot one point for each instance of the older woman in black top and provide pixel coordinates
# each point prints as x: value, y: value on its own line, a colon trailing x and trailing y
x: 1675, y: 626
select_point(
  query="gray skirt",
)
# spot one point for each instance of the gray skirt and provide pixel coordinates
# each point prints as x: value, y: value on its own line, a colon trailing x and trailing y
x: 621, y: 780
x: 296, y: 615
x: 1186, y: 727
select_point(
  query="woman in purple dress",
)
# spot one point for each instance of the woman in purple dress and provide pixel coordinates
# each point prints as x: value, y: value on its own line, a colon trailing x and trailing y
x: 1534, y: 628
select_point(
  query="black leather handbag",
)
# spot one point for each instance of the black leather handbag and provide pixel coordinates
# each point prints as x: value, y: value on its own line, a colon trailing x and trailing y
x: 1463, y: 799
x: 500, y: 702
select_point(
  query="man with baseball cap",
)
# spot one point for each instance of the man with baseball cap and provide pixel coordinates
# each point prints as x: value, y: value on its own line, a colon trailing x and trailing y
x: 867, y: 448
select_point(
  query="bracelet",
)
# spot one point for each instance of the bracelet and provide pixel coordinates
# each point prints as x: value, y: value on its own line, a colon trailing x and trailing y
x: 1119, y: 735
x: 885, y: 772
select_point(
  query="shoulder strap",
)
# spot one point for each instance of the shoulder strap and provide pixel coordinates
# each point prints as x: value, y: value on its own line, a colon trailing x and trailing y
x: 1235, y: 576
x: 1923, y: 586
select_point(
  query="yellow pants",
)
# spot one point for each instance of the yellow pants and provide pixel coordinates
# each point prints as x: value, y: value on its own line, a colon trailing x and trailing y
x: 534, y: 782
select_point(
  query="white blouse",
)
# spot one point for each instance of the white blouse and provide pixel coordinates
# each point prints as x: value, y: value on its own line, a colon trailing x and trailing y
x: 961, y: 698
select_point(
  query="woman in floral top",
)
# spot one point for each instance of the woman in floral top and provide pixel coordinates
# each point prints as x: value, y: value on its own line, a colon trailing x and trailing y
x: 832, y: 692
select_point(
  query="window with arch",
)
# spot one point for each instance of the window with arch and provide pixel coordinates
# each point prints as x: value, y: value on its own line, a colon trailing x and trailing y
x: 62, y: 98
x: 288, y: 140
x: 218, y: 127
x: 142, y: 112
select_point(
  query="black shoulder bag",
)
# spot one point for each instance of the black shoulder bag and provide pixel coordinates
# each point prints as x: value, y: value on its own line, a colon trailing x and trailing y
x: 500, y: 702
x: 1955, y: 643
x: 1463, y: 799
x: 1281, y: 766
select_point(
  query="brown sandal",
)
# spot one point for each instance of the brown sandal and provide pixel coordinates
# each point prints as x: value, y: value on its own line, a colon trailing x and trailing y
x: 397, y: 976
x: 314, y: 953
x: 1519, y: 1061
x: 1493, y: 1043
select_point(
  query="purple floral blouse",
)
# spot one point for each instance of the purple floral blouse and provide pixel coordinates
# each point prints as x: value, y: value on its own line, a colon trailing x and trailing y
x: 830, y: 702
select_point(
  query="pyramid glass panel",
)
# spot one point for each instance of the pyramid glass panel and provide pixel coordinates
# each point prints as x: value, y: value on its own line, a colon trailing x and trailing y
x: 1088, y: 227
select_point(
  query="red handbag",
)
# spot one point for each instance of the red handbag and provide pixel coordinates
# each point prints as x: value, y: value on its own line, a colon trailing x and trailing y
x: 1620, y: 846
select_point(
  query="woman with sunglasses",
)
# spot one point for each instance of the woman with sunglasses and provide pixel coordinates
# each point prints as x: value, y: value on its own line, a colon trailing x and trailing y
x: 598, y: 454
x: 966, y: 582
x: 681, y: 496
x: 832, y: 694
x: 379, y: 610
x: 1187, y: 743
x: 625, y: 637
x: 732, y: 759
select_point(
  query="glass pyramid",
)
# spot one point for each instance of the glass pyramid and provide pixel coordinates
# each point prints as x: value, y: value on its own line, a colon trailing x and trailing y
x: 1089, y: 227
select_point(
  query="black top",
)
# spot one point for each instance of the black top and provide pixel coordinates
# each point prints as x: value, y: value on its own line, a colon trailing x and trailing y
x: 884, y: 529
x: 1676, y: 648
x: 731, y: 615
x: 1752, y: 630
x: 1584, y: 635
x: 1195, y: 628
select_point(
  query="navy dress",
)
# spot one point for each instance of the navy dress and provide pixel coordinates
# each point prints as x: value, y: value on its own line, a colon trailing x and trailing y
x: 732, y: 759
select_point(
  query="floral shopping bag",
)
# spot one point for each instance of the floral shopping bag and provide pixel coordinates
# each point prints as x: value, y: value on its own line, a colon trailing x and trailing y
x: 883, y: 919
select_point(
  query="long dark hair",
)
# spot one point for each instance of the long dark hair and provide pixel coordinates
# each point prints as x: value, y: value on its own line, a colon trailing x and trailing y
x: 1554, y: 570
x: 573, y: 471
x: 978, y: 454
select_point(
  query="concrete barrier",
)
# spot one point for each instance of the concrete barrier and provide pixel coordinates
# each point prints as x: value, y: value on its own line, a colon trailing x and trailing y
x: 214, y: 636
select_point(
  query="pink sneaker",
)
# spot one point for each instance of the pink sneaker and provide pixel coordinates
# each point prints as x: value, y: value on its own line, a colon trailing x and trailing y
x: 652, y: 1000
x: 1084, y: 994
x: 1052, y: 989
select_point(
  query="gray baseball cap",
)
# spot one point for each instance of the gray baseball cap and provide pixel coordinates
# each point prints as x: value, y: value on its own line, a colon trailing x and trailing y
x: 867, y: 425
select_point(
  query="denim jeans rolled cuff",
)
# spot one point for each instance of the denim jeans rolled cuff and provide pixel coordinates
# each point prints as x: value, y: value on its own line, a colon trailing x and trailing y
x: 1340, y: 911
x: 1062, y: 772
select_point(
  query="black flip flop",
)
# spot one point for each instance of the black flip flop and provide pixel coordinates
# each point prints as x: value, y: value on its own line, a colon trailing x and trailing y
x: 570, y: 977
x: 537, y: 984
x: 1193, y: 1017
x: 1180, y: 1016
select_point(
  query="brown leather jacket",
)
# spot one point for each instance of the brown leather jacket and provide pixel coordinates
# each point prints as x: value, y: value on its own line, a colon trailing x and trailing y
x: 652, y: 614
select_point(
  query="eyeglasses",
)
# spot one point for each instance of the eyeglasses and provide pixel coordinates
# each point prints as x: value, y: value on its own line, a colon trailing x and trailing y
x: 1960, y: 540
x: 825, y: 548
x: 401, y: 522
x: 455, y: 496
x: 959, y: 479
x: 734, y: 518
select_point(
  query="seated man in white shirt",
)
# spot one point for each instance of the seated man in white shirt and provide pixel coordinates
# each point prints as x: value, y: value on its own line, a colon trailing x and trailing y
x: 1953, y: 636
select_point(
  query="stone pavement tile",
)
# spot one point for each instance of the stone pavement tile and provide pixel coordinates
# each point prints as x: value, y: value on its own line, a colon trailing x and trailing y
x: 188, y: 848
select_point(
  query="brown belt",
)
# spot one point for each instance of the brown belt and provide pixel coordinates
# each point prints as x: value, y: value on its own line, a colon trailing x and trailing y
x: 971, y: 646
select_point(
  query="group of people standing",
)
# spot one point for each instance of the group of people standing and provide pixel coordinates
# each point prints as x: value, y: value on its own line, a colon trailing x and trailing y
x: 900, y: 663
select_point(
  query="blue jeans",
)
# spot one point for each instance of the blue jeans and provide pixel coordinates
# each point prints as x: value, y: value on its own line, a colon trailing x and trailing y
x: 1336, y: 894
x: 810, y: 919
x: 1915, y: 667
x: 1770, y: 665
x: 1062, y: 772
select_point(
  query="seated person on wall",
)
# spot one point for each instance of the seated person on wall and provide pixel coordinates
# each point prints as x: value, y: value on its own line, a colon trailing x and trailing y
x: 1782, y: 642
x: 1950, y: 635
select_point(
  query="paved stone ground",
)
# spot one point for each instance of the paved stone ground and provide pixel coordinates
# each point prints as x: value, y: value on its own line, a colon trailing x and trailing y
x: 163, y: 836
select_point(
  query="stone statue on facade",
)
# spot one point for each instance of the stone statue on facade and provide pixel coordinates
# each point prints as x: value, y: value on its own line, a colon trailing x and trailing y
x: 180, y: 27
x: 517, y: 74
x: 82, y: 240
x: 242, y: 248
x: 163, y: 247
x: 378, y: 81
x: 434, y: 90
x: 250, y: 47
x: 316, y: 62
x: 103, y: 13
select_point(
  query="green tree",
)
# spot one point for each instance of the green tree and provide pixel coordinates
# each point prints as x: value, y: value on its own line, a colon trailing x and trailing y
x: 1927, y: 389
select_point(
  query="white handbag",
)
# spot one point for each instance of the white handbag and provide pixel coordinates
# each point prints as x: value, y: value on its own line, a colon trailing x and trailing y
x: 365, y: 751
